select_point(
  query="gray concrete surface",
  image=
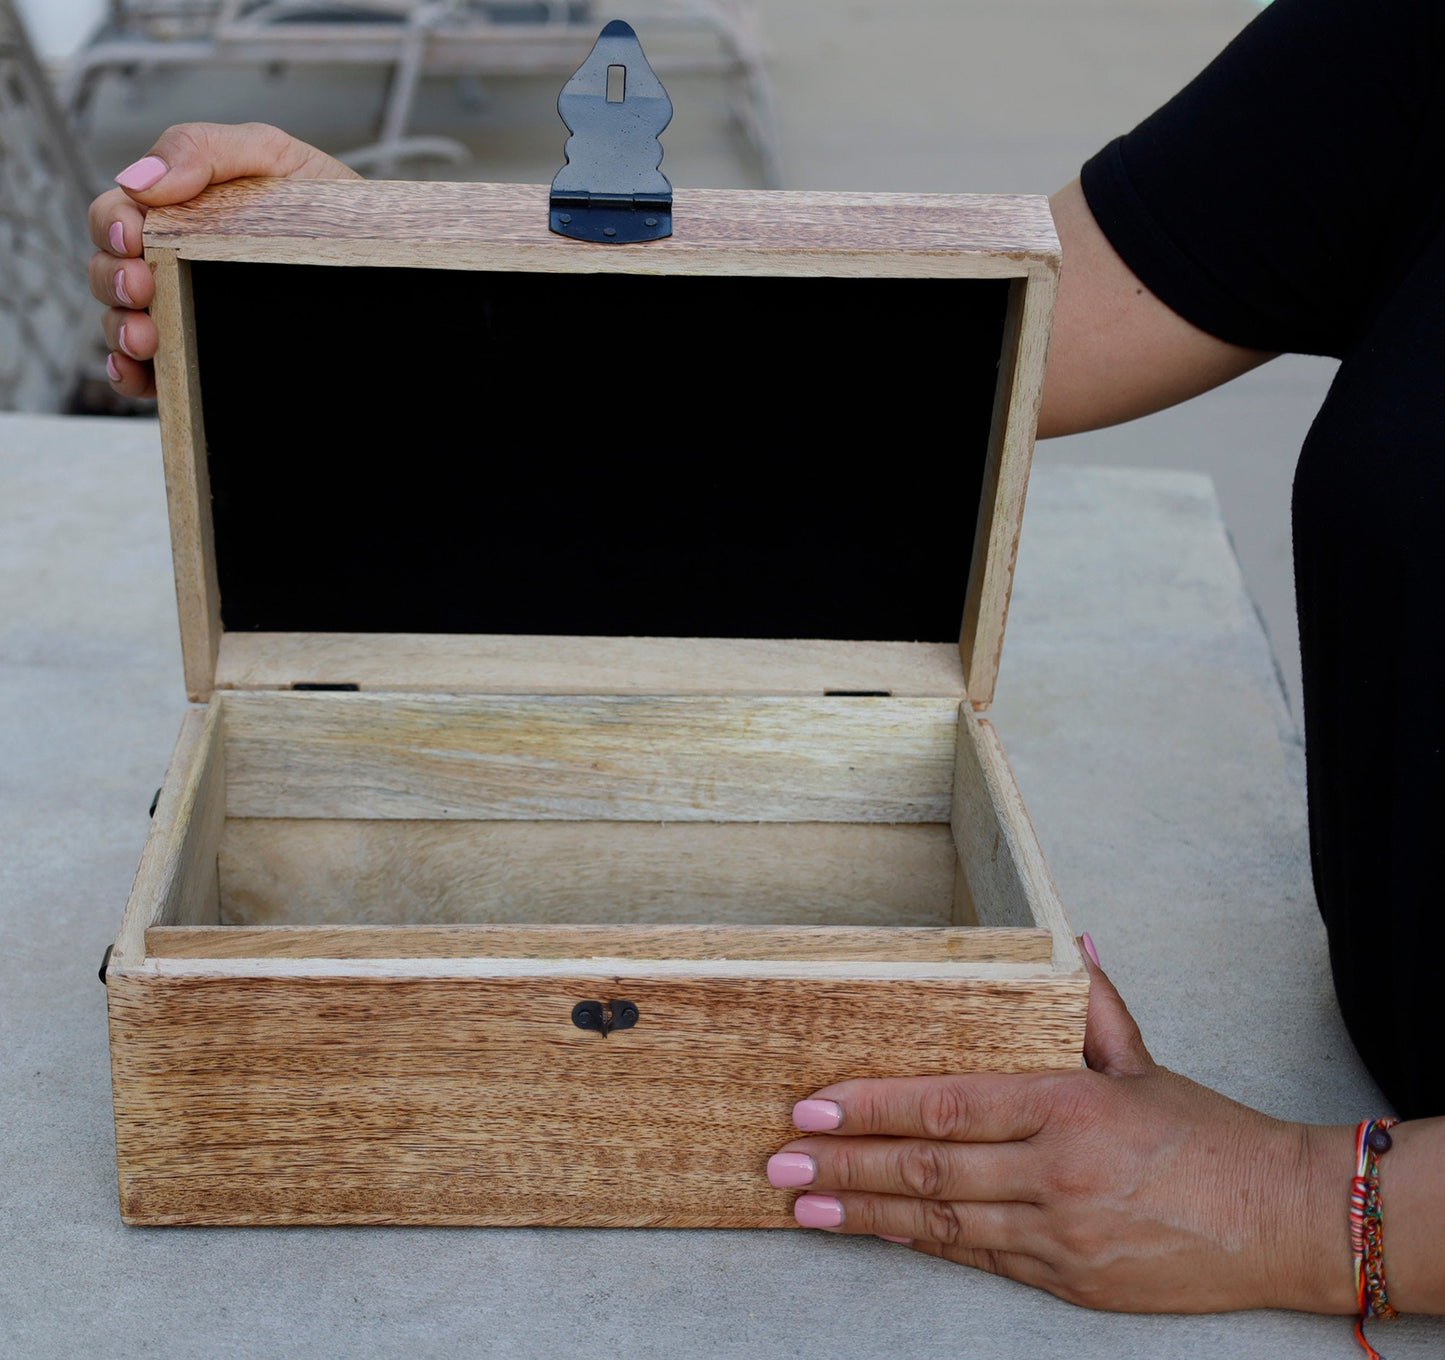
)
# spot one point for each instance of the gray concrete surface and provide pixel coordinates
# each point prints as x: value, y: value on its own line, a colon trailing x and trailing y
x: 1140, y: 707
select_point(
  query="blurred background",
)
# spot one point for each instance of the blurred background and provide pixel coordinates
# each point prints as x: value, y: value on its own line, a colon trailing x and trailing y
x: 922, y: 95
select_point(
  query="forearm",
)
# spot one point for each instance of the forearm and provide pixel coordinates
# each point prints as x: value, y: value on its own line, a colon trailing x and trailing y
x: 1118, y: 352
x: 1313, y: 1247
x: 1412, y: 1191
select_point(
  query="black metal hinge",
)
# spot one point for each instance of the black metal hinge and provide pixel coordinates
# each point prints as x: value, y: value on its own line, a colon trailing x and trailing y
x: 611, y: 190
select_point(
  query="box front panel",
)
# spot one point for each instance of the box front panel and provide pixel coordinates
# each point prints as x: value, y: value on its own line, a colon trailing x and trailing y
x: 350, y: 1099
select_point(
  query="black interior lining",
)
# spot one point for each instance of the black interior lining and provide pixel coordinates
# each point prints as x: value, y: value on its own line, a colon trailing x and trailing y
x: 406, y: 450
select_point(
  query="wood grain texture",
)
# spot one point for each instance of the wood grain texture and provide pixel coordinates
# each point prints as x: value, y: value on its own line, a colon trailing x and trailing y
x: 715, y: 231
x: 188, y: 483
x: 176, y: 882
x: 899, y: 944
x: 352, y: 1100
x: 389, y: 872
x: 1006, y: 478
x: 508, y: 664
x: 574, y: 758
x: 482, y: 970
x: 964, y: 912
x: 998, y: 850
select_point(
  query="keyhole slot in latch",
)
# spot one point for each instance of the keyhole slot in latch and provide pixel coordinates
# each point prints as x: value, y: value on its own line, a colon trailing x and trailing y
x: 616, y: 84
x: 604, y: 1016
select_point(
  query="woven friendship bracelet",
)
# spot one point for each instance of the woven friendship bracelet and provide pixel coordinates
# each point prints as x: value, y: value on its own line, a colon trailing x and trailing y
x: 1372, y: 1141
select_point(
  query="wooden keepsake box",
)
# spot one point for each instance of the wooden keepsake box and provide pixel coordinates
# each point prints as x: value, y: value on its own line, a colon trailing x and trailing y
x: 585, y: 645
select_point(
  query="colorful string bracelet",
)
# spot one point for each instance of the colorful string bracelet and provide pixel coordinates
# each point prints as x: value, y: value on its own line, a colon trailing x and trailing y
x: 1372, y: 1141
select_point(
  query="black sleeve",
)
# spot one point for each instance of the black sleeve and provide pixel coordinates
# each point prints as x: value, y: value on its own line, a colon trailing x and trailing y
x: 1283, y: 192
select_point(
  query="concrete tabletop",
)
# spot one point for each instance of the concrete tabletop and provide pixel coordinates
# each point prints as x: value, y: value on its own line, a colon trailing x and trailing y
x: 1141, y: 709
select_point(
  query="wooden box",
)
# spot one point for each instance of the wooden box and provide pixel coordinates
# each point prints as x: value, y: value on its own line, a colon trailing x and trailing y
x: 570, y: 623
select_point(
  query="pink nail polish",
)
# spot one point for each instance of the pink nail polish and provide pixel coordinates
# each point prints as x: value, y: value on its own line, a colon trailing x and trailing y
x: 116, y: 236
x: 121, y: 291
x: 146, y: 173
x: 902, y: 1241
x: 1087, y: 941
x: 112, y: 368
x: 789, y: 1169
x: 817, y: 1116
x: 818, y: 1211
x: 124, y: 344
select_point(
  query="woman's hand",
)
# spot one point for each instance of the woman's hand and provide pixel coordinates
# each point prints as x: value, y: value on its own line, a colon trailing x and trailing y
x: 1123, y: 1187
x: 184, y: 161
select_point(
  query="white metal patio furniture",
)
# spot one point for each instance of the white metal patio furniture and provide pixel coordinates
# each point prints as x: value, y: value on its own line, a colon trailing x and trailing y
x: 416, y: 38
x: 49, y: 336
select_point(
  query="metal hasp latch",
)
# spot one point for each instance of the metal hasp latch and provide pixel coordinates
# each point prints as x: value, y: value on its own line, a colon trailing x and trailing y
x: 611, y: 191
x: 604, y: 1017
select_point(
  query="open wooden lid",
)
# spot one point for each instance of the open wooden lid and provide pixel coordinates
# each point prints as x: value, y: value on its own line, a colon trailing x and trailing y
x: 414, y: 440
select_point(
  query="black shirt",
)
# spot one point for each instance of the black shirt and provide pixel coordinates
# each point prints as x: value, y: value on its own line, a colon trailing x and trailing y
x: 1293, y: 198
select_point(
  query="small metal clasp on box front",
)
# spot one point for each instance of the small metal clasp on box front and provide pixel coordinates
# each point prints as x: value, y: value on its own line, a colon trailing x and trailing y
x: 604, y: 1017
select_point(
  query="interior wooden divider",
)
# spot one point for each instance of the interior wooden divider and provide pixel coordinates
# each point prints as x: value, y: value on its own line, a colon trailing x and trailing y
x: 702, y: 758
x: 461, y: 663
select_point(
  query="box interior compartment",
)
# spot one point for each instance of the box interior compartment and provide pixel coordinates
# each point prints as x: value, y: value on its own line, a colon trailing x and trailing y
x: 587, y: 810
x: 732, y: 826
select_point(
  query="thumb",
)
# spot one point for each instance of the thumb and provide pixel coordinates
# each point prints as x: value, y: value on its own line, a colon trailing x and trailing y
x: 188, y: 157
x: 1112, y: 1042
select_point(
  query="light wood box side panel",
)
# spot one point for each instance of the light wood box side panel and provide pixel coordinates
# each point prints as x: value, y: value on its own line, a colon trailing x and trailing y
x: 1006, y: 478
x: 837, y: 943
x: 176, y: 882
x: 307, y: 1100
x: 514, y: 664
x: 302, y: 871
x: 188, y: 481
x: 505, y: 227
x: 609, y: 758
x: 1008, y: 879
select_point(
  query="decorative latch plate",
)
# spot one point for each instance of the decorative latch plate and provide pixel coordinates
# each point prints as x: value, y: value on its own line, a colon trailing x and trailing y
x: 611, y: 190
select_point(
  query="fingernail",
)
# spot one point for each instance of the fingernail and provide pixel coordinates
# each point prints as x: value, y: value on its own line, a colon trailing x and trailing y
x: 815, y: 1116
x: 124, y: 343
x: 145, y: 173
x: 789, y: 1169
x: 112, y: 368
x: 121, y: 291
x: 1087, y: 941
x: 117, y: 238
x: 818, y: 1211
x: 902, y: 1241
